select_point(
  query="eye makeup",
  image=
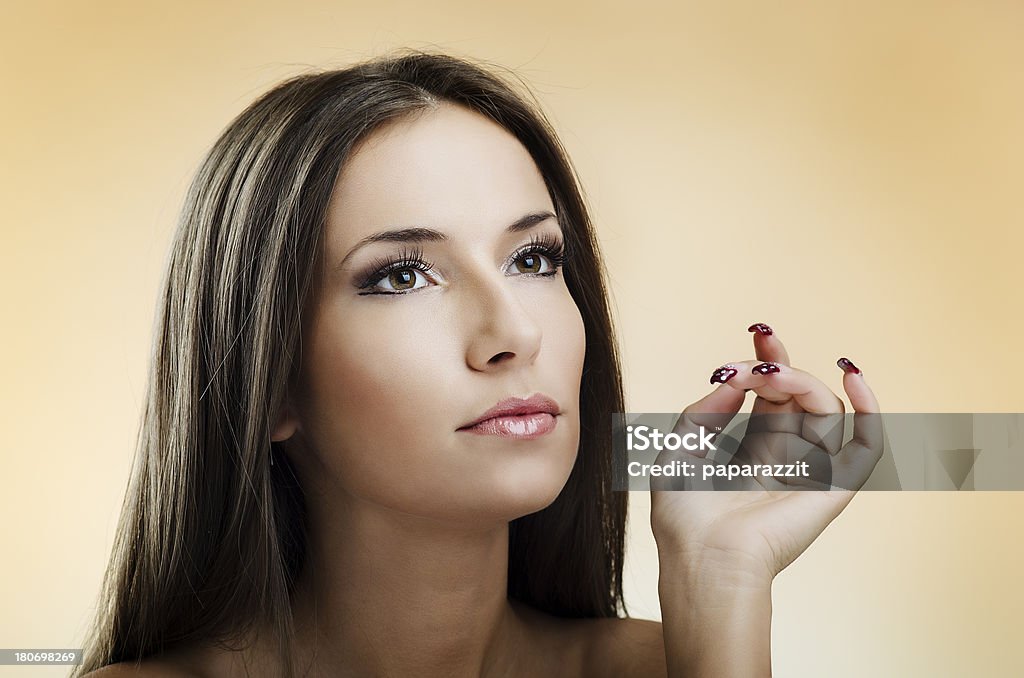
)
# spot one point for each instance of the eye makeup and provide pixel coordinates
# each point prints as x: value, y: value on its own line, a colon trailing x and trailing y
x: 548, y: 245
x: 379, y: 269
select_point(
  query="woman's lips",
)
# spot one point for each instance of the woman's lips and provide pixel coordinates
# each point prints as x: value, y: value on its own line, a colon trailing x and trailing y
x: 519, y: 426
x: 520, y: 418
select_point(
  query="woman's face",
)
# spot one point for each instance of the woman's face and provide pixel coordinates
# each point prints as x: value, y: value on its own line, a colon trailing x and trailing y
x: 439, y: 301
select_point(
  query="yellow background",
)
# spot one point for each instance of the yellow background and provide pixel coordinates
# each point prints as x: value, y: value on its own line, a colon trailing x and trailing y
x: 849, y: 173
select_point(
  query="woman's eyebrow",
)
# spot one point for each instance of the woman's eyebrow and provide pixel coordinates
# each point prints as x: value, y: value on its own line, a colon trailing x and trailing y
x: 419, y: 234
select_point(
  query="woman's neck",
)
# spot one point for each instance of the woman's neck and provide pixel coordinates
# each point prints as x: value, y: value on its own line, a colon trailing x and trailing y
x: 384, y: 593
x: 388, y: 593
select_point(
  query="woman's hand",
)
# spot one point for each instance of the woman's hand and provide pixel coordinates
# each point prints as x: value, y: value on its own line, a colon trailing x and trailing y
x: 764, y: 527
x: 719, y: 550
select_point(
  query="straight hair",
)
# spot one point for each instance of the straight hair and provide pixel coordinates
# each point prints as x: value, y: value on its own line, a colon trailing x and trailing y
x: 211, y: 537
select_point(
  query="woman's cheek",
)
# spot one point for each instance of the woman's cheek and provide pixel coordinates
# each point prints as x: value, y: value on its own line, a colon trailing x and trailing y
x: 377, y: 424
x: 383, y: 375
x: 571, y: 335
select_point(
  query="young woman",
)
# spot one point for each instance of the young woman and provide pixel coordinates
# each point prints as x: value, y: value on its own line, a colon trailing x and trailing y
x: 377, y: 438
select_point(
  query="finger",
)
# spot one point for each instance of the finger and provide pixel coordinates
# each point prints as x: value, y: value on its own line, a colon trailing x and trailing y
x: 765, y: 403
x: 738, y: 375
x: 859, y: 457
x: 861, y: 396
x: 867, y: 422
x: 776, y: 410
x: 723, y: 400
x: 779, y: 384
x: 713, y: 412
x: 818, y: 413
x: 767, y: 346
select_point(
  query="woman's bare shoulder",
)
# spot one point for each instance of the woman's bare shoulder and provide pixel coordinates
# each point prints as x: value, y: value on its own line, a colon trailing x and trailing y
x: 596, y: 646
x: 625, y: 647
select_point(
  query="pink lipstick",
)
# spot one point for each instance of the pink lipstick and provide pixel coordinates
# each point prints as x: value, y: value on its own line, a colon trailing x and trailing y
x: 517, y: 418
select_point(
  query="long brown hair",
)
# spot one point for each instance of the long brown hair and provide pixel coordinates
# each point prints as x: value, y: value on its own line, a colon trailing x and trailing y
x: 211, y: 536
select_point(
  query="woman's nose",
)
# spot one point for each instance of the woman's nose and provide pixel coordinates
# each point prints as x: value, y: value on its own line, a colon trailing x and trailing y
x: 503, y: 330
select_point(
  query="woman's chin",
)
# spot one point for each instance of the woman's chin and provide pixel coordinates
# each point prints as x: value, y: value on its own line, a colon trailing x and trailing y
x: 526, y: 490
x: 493, y: 501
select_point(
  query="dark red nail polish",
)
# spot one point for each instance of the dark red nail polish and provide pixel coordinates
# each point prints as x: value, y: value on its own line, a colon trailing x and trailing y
x: 760, y: 327
x: 765, y: 368
x: 723, y: 374
x: 847, y: 366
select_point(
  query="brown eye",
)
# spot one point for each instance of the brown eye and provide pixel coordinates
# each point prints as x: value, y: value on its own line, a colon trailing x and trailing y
x: 543, y: 256
x: 530, y: 263
x: 406, y: 272
x: 402, y: 279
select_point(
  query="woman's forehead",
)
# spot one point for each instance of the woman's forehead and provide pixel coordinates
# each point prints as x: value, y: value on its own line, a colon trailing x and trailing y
x: 443, y: 167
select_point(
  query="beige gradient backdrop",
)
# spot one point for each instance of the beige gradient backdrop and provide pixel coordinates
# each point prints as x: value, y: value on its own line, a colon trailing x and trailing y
x: 849, y: 173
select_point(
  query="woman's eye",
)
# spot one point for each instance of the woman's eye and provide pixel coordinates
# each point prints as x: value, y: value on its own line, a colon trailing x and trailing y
x: 543, y: 256
x: 532, y: 262
x: 401, y: 280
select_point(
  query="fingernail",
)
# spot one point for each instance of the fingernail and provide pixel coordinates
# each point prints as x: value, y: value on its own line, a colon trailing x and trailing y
x: 847, y: 366
x: 723, y: 374
x: 760, y: 327
x: 765, y: 368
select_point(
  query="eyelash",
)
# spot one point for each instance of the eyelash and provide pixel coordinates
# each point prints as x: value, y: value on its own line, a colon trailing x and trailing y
x: 547, y: 245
